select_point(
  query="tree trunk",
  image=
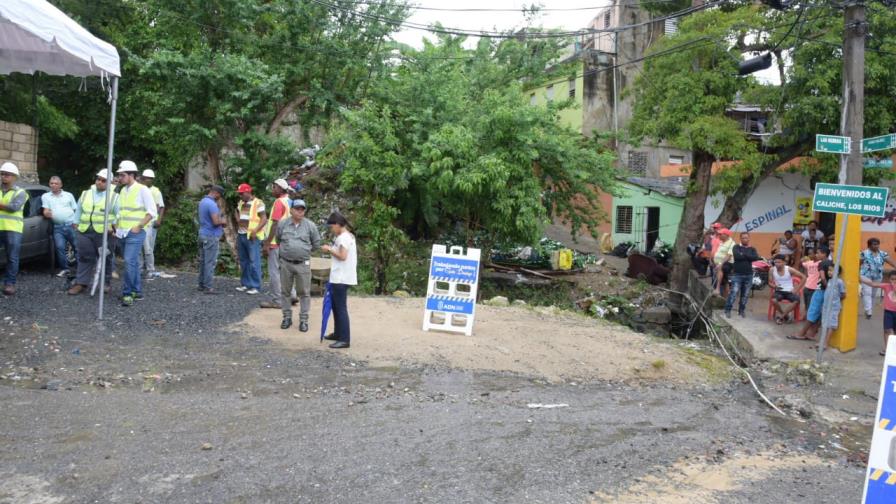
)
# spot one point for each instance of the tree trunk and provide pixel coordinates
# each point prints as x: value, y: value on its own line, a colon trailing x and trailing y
x: 379, y: 273
x: 690, y: 228
x: 734, y: 204
x: 214, y: 164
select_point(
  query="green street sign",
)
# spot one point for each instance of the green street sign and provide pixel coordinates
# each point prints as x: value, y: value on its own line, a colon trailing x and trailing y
x: 879, y: 143
x: 885, y: 163
x: 833, y: 144
x: 847, y: 199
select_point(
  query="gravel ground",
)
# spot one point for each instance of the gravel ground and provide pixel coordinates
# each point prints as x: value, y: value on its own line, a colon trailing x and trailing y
x: 163, y: 402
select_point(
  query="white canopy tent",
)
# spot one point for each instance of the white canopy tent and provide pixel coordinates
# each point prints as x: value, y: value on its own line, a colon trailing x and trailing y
x: 35, y: 36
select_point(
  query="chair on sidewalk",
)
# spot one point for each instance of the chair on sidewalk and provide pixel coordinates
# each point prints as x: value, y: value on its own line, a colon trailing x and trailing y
x: 798, y: 291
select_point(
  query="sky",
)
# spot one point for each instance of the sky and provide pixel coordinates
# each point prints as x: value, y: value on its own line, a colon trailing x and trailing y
x: 566, y: 20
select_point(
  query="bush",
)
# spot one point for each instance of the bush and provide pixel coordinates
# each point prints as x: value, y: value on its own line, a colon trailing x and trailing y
x: 177, y: 239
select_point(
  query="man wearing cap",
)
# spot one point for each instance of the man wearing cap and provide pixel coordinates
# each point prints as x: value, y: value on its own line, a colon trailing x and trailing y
x: 724, y: 260
x: 270, y: 248
x: 60, y: 207
x: 297, y: 237
x: 12, y: 222
x: 252, y: 220
x: 89, y: 218
x: 148, y: 259
x: 136, y: 209
x: 211, y: 227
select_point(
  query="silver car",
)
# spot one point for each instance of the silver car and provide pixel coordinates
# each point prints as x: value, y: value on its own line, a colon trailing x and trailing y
x: 37, y: 236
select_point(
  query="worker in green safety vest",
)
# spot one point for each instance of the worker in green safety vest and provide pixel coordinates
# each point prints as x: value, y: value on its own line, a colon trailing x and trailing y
x: 136, y: 209
x: 89, y: 219
x: 12, y: 222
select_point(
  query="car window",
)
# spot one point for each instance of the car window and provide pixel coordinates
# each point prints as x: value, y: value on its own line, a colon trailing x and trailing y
x: 33, y: 205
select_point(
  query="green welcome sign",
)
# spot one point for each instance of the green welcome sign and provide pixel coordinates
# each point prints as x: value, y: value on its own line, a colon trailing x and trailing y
x: 847, y: 199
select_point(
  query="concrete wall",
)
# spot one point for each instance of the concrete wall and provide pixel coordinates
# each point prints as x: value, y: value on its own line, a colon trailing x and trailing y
x: 18, y: 144
x: 601, y: 112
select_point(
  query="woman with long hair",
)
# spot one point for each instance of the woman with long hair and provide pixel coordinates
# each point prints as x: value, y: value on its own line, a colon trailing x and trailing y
x: 343, y: 275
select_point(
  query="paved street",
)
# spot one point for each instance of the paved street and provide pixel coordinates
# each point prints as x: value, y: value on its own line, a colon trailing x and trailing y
x: 166, y: 402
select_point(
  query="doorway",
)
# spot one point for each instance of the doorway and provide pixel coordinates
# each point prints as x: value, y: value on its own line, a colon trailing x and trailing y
x: 653, y: 227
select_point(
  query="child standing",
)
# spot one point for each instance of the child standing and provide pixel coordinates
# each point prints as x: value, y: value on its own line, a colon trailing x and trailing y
x: 810, y: 265
x: 815, y: 313
x: 889, y: 289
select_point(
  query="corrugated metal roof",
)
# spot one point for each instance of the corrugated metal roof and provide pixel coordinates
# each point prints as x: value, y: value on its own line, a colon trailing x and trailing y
x: 668, y: 186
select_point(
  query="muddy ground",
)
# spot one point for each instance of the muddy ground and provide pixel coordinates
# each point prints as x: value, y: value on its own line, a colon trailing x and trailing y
x: 187, y: 398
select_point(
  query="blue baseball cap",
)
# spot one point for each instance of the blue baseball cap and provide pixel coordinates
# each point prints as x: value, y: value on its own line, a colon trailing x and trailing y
x: 298, y: 203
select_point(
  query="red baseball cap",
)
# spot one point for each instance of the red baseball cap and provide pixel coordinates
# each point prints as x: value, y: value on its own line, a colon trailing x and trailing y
x: 244, y: 188
x: 725, y: 231
x: 717, y: 226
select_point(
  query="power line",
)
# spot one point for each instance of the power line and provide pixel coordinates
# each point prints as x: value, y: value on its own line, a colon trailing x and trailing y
x: 505, y: 35
x: 532, y: 9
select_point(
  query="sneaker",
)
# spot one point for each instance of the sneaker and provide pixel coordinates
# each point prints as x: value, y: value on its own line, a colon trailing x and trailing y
x: 77, y: 289
x: 303, y: 326
x: 242, y: 288
x: 154, y: 274
x: 269, y: 304
x: 9, y: 290
x: 742, y: 314
x: 62, y: 274
x: 139, y: 297
x: 252, y: 291
x: 127, y: 301
x: 285, y: 323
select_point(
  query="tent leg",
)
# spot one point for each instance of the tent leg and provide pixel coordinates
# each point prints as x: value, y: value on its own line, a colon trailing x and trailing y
x: 105, y: 249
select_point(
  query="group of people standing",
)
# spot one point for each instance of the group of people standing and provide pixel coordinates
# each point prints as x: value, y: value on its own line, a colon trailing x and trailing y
x: 804, y: 266
x: 135, y: 216
x: 287, y: 238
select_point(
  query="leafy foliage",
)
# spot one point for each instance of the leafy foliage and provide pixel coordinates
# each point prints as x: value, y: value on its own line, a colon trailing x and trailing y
x: 450, y: 142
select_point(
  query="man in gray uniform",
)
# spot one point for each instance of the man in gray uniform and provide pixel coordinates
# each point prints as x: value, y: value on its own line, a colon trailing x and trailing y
x: 297, y: 237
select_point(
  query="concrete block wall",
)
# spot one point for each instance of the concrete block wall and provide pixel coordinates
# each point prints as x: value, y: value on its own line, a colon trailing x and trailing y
x: 18, y: 145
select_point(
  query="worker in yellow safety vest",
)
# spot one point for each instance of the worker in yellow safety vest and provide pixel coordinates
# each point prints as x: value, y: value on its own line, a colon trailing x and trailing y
x: 136, y: 208
x: 89, y: 219
x: 250, y: 214
x: 12, y: 222
x: 280, y: 210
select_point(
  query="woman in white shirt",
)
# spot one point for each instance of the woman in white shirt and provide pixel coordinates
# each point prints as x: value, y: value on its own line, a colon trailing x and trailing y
x: 343, y: 275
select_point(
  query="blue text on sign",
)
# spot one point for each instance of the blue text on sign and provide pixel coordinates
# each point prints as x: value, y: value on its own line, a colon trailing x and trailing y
x: 452, y: 269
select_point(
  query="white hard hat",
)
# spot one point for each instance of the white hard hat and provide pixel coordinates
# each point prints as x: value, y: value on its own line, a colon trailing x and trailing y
x: 127, y: 166
x: 103, y: 174
x: 282, y: 184
x: 10, y: 168
x: 149, y: 173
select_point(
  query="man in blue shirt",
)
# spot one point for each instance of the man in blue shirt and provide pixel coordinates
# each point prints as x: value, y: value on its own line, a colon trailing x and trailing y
x: 60, y: 207
x: 211, y: 227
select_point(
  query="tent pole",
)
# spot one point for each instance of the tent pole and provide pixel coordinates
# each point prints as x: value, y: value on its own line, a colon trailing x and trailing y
x: 105, y: 249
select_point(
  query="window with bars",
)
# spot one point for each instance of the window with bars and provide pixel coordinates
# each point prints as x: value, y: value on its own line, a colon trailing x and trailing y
x: 572, y: 87
x: 637, y: 162
x: 624, y: 216
x: 607, y: 19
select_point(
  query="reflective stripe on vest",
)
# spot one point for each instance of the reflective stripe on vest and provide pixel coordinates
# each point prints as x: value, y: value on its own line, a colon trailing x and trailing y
x: 12, y: 221
x: 284, y: 200
x: 254, y: 219
x: 92, y: 211
x: 131, y: 212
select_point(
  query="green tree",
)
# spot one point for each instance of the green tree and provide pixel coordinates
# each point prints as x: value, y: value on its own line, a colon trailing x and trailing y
x: 449, y: 143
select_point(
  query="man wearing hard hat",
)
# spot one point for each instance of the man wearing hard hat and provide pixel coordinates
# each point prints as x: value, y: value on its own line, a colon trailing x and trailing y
x: 152, y: 229
x: 89, y: 218
x: 12, y: 222
x: 136, y: 209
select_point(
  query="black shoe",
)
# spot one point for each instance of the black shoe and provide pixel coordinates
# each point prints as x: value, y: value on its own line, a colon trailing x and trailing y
x: 286, y: 323
x: 303, y: 326
x: 331, y: 337
x: 340, y: 344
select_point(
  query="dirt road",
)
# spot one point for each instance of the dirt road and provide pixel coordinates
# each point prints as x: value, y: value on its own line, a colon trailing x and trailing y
x: 185, y: 399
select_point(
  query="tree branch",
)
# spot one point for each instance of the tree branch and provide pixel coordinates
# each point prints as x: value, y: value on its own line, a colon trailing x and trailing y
x: 284, y: 112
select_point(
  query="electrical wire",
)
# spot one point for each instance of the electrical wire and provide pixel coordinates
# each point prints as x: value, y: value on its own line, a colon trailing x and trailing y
x: 505, y: 35
x: 533, y: 9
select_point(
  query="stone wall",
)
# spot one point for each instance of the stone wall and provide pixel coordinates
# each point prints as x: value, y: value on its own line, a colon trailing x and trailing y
x: 18, y: 144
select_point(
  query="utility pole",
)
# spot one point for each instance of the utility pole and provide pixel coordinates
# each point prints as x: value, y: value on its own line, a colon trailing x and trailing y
x: 849, y: 227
